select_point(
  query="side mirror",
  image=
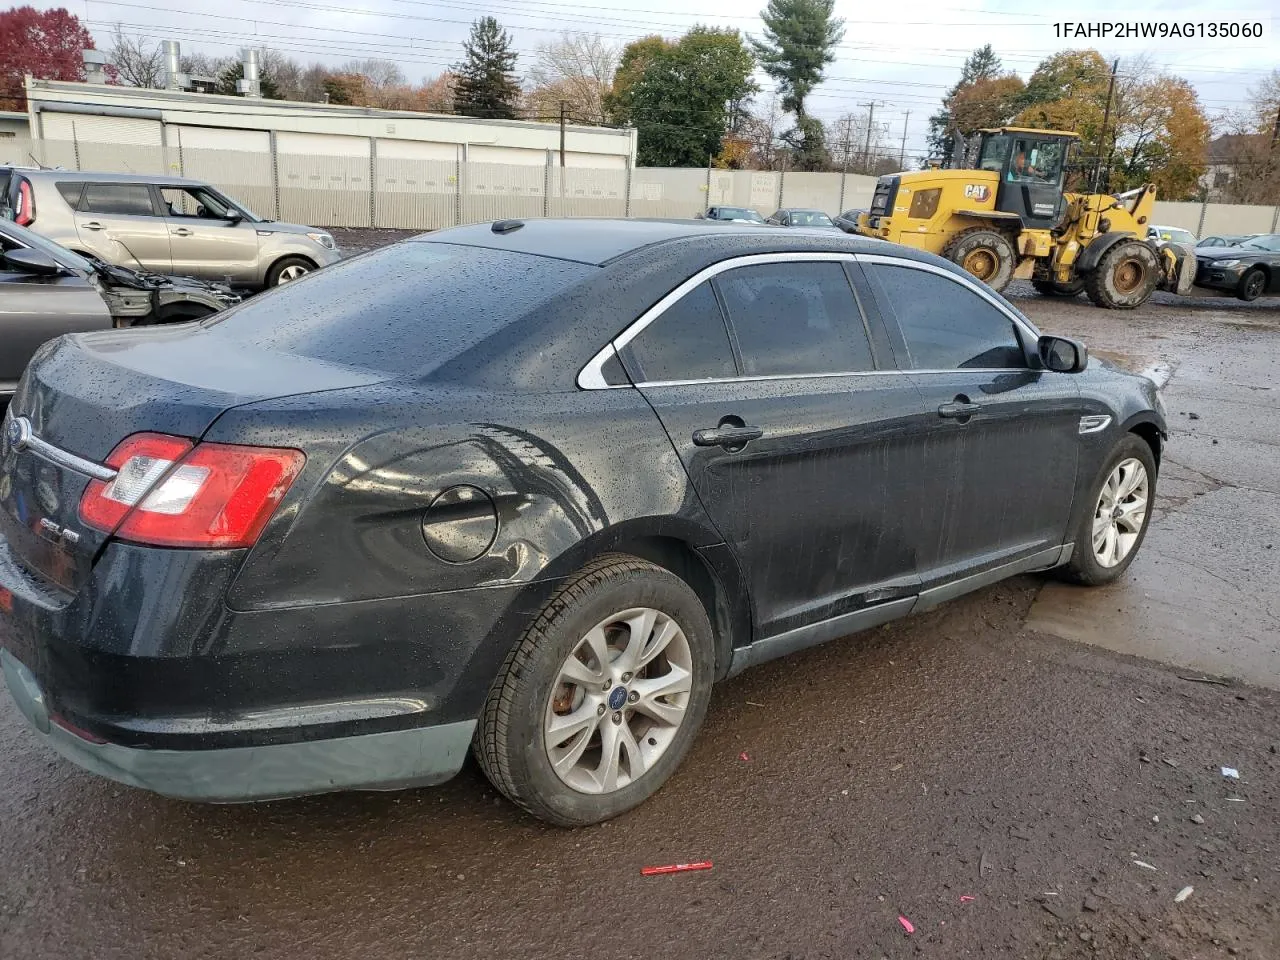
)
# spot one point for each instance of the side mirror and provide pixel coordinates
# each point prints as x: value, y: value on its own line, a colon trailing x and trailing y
x: 33, y: 261
x: 234, y: 216
x: 1063, y: 355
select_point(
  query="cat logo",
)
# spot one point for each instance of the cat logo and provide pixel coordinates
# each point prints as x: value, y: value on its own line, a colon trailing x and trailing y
x: 976, y: 191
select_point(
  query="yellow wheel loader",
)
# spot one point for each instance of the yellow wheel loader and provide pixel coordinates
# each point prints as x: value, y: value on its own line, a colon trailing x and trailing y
x: 1011, y: 218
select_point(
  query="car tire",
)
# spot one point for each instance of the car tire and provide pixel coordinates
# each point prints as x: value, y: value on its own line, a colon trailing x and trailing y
x: 519, y: 730
x: 1089, y: 565
x: 1252, y: 285
x: 1125, y: 276
x: 1051, y: 288
x: 984, y: 253
x: 288, y: 269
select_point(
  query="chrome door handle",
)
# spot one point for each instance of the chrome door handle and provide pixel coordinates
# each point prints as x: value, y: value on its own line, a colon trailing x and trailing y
x: 727, y: 437
x: 93, y: 225
x: 958, y: 410
x: 183, y: 232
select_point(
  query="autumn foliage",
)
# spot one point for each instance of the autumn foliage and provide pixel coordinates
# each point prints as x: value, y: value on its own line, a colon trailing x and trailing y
x: 48, y: 44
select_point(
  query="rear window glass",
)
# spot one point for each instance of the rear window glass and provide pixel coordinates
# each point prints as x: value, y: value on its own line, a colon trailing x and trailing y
x: 402, y: 309
x: 121, y: 199
x: 71, y: 193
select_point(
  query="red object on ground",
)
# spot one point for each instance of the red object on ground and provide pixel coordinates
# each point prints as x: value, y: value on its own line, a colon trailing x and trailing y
x: 906, y: 924
x: 967, y: 899
x: 676, y: 868
x: 743, y: 757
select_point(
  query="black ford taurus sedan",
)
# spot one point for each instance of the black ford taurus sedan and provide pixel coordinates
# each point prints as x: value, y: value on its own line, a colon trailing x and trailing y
x: 529, y: 489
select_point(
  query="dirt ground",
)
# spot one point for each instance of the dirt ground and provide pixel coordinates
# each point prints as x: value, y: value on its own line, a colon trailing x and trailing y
x: 1006, y: 790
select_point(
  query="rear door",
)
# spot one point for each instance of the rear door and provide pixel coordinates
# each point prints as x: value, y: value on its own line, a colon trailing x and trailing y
x: 1000, y: 435
x: 119, y: 223
x: 205, y: 240
x: 791, y: 427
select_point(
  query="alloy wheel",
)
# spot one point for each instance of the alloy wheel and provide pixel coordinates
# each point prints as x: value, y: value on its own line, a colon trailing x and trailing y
x: 619, y: 700
x: 293, y: 272
x: 1121, y: 512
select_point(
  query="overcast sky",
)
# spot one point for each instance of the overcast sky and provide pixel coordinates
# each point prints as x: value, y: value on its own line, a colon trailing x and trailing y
x: 899, y: 64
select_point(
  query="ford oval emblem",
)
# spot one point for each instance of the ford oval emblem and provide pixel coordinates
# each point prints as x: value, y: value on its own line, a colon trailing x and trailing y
x: 19, y: 433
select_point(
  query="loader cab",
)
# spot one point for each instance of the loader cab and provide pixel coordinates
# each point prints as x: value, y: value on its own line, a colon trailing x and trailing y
x: 1032, y: 166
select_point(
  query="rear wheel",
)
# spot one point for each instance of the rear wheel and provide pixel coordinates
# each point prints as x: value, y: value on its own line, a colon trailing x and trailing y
x: 599, y: 702
x: 1051, y: 288
x: 1252, y: 285
x: 1109, y: 535
x: 985, y: 253
x: 1125, y: 277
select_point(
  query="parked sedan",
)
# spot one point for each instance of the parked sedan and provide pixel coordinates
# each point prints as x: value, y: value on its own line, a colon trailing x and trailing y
x: 1226, y: 240
x: 795, y: 217
x: 731, y: 215
x: 165, y: 225
x: 46, y: 291
x: 342, y: 533
x: 848, y: 221
x: 1249, y: 269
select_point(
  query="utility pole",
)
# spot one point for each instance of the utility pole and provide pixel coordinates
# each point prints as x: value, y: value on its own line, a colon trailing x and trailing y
x: 902, y: 157
x: 564, y: 107
x: 1102, y: 137
x: 866, y: 150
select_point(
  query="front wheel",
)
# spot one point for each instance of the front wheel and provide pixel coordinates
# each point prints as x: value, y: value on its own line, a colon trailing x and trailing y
x: 599, y: 702
x: 1109, y: 535
x: 1252, y: 285
x: 288, y: 270
x: 1125, y: 277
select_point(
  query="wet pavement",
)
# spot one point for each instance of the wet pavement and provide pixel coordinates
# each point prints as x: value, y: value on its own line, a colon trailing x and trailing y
x: 1071, y: 790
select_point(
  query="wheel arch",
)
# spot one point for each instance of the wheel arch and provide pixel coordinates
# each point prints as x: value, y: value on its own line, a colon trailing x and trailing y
x: 1148, y: 429
x: 271, y: 266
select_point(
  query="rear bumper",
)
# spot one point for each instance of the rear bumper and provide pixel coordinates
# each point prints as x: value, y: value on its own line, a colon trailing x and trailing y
x: 378, y: 761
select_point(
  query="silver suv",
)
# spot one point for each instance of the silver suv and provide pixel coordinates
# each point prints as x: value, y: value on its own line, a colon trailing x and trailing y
x: 165, y: 225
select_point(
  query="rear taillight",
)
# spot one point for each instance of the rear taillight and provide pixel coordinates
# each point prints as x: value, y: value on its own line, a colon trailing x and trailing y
x: 168, y: 493
x: 24, y: 213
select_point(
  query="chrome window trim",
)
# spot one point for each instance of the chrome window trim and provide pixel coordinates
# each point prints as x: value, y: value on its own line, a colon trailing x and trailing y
x: 963, y: 280
x: 591, y: 376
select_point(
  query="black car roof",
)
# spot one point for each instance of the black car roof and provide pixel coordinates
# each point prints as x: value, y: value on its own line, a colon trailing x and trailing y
x: 601, y: 241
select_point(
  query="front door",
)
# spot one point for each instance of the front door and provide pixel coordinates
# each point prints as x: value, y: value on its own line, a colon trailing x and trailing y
x: 207, y: 238
x: 793, y: 436
x: 1032, y: 183
x: 1000, y: 434
x: 118, y: 222
x: 35, y: 309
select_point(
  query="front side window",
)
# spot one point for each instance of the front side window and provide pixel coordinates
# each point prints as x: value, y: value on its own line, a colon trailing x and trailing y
x: 1036, y: 160
x: 120, y: 199
x: 195, y: 202
x: 995, y: 150
x: 795, y: 318
x: 688, y: 341
x: 946, y: 325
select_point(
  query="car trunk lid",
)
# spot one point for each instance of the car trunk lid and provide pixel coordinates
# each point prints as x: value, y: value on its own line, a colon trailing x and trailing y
x: 83, y: 394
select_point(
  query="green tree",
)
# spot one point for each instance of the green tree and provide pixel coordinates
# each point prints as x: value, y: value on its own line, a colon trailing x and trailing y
x: 235, y: 71
x: 636, y: 58
x: 683, y: 101
x: 800, y: 37
x: 486, y: 80
x: 982, y: 67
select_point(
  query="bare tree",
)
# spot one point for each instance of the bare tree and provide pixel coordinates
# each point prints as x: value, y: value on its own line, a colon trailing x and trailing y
x: 578, y: 68
x: 138, y: 63
x: 380, y: 73
x: 203, y: 65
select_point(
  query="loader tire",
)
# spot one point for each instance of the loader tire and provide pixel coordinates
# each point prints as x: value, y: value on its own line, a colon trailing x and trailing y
x: 985, y: 253
x: 1125, y: 277
x: 1051, y: 288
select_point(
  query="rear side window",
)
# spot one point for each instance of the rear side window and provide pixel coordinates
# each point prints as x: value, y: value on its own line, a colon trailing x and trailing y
x: 946, y: 325
x: 403, y: 309
x: 121, y: 199
x: 71, y: 193
x: 688, y: 341
x: 795, y: 318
